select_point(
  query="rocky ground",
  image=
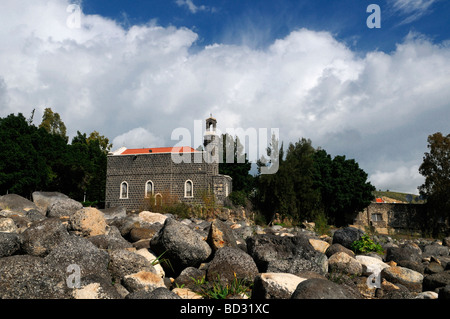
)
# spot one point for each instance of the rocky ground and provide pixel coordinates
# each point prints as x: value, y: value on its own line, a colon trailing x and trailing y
x: 52, y: 247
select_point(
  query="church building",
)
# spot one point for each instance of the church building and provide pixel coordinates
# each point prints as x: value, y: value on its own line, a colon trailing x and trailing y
x: 134, y: 175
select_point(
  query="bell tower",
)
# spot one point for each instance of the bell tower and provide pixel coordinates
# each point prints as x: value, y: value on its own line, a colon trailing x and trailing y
x: 211, y: 144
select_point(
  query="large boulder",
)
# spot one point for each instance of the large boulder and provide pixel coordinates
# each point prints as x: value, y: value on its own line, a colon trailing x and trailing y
x: 275, y: 285
x: 95, y: 287
x: 316, y: 288
x: 336, y: 248
x: 114, y: 212
x: 9, y: 243
x: 230, y: 264
x: 182, y: 246
x: 289, y: 254
x: 407, y: 277
x: 88, y: 221
x: 42, y: 236
x: 343, y: 263
x: 112, y: 239
x: 220, y: 235
x: 435, y: 281
x: 399, y: 254
x: 124, y: 262
x: 63, y: 208
x: 18, y: 204
x: 30, y: 277
x: 346, y: 236
x: 7, y: 225
x: 435, y: 250
x: 143, y: 280
x: 44, y: 200
x: 371, y: 265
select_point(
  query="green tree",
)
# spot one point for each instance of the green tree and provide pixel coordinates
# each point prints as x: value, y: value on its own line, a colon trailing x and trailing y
x: 235, y: 163
x: 436, y: 170
x: 343, y: 186
x: 53, y: 124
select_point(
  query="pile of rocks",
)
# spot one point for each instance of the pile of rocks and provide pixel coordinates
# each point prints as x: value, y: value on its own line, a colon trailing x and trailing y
x: 52, y: 247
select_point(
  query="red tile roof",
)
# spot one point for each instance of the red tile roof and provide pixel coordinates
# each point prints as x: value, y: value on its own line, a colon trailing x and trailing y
x: 177, y: 149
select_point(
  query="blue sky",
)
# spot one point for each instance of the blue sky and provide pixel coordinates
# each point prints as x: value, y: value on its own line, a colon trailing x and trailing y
x: 258, y: 22
x: 135, y: 71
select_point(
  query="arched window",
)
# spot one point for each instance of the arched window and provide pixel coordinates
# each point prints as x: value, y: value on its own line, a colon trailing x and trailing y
x: 149, y: 190
x: 124, y: 190
x: 158, y: 200
x: 188, y: 189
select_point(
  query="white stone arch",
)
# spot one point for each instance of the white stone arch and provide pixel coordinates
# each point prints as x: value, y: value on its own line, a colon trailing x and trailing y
x: 188, y: 189
x: 152, y: 188
x: 124, y: 190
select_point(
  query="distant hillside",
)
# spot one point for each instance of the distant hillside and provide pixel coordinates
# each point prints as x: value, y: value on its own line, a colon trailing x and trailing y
x: 398, y: 197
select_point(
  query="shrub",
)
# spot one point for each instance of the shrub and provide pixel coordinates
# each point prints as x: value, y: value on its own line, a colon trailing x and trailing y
x: 366, y: 245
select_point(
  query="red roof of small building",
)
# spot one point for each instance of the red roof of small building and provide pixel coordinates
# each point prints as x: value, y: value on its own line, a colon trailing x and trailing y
x: 379, y: 200
x: 176, y: 149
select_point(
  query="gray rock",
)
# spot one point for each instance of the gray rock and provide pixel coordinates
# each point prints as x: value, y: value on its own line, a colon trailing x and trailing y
x: 181, y: 245
x: 320, y: 289
x: 124, y: 262
x: 435, y: 281
x: 30, y: 277
x: 188, y: 278
x: 114, y: 212
x: 7, y: 225
x: 275, y: 285
x: 399, y: 254
x: 287, y: 254
x: 343, y: 263
x: 158, y: 293
x: 407, y: 277
x: 9, y: 243
x: 444, y: 293
x: 435, y: 250
x: 433, y: 268
x: 41, y: 237
x: 44, y: 200
x: 336, y: 248
x: 111, y: 240
x: 79, y: 251
x: 220, y: 235
x: 17, y: 203
x: 95, y: 287
x: 229, y: 263
x: 63, y: 208
x: 346, y: 236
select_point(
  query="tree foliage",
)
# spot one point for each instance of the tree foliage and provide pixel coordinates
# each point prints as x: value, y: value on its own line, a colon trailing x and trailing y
x: 309, y: 184
x: 436, y: 188
x: 38, y: 158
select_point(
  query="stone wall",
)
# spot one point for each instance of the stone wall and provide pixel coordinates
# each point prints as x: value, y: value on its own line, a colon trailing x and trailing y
x: 167, y: 177
x: 391, y: 217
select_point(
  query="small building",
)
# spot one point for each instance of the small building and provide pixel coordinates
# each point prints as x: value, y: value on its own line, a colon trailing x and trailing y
x: 183, y: 173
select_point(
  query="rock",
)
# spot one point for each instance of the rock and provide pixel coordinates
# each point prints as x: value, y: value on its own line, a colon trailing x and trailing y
x: 319, y: 289
x: 399, y: 275
x: 433, y: 268
x: 41, y: 237
x: 398, y: 254
x: 444, y: 293
x: 335, y: 248
x: 446, y: 242
x: 114, y: 213
x: 435, y: 250
x: 30, y: 277
x: 125, y: 225
x: 7, y: 225
x: 124, y: 262
x: 411, y: 265
x: 427, y: 295
x: 230, y: 264
x: 188, y: 278
x: 391, y: 291
x: 273, y: 253
x: 88, y: 221
x: 44, y: 200
x: 343, y: 263
x: 435, y: 281
x: 112, y: 239
x: 346, y: 236
x: 158, y: 293
x: 17, y: 203
x: 139, y: 233
x: 220, y: 235
x: 143, y: 280
x: 95, y: 287
x: 150, y: 218
x: 79, y: 251
x: 144, y: 252
x: 9, y: 243
x: 186, y: 293
x: 319, y: 245
x: 181, y: 245
x: 275, y: 285
x: 63, y: 208
x: 371, y: 265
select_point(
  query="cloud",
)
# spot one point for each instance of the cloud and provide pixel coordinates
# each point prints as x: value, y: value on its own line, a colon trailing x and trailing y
x: 145, y: 80
x: 192, y: 7
x: 402, y: 178
x: 136, y: 138
x: 412, y: 9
